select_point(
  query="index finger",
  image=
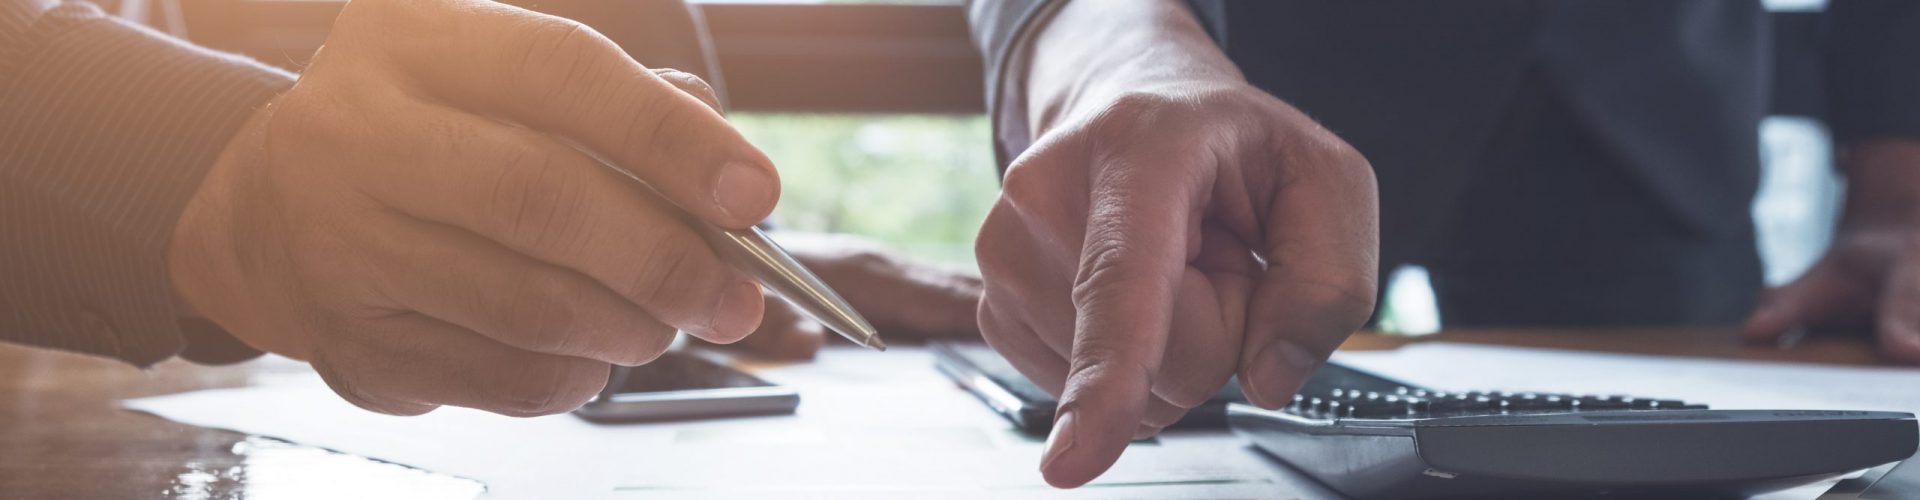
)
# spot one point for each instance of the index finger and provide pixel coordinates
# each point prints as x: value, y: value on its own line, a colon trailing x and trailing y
x: 563, y: 78
x: 1131, y: 262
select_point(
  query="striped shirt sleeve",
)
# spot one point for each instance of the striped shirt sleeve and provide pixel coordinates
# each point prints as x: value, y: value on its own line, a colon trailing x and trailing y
x: 106, y: 129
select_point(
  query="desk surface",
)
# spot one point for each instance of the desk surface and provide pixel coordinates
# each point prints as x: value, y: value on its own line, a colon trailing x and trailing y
x: 63, y: 436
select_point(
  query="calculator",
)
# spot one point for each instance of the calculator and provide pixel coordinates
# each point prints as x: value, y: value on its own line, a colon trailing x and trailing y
x: 1368, y: 437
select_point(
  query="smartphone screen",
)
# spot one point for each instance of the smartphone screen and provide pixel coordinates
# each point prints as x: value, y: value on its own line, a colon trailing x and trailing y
x: 685, y: 385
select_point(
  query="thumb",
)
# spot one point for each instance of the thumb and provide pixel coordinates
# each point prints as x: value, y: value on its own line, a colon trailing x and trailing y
x: 1814, y: 296
x: 1292, y: 328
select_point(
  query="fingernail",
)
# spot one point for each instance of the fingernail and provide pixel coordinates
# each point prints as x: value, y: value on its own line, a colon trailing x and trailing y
x: 733, y: 316
x: 1272, y: 366
x: 1060, y: 440
x: 745, y: 190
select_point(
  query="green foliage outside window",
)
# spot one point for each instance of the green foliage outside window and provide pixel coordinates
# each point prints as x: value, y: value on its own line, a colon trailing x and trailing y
x: 918, y: 183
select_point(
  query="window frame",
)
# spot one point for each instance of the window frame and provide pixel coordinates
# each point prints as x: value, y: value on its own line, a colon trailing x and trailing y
x: 847, y: 58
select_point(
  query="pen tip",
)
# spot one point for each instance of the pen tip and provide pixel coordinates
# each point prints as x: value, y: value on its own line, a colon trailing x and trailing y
x: 875, y: 343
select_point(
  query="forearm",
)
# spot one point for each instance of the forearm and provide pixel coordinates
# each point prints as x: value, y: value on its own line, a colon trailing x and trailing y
x: 1092, y: 51
x: 109, y: 129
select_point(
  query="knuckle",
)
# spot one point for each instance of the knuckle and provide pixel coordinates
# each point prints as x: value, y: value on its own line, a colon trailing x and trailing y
x: 993, y: 329
x: 1332, y: 155
x: 552, y: 43
x: 1139, y: 114
x: 1107, y: 265
x: 656, y: 116
x: 542, y: 314
x: 663, y: 263
x: 1014, y: 185
x: 1137, y: 109
x: 1329, y: 149
x: 1008, y: 243
x: 533, y: 199
x: 1055, y: 162
x: 1357, y: 301
x: 1098, y: 358
x: 556, y: 54
x: 1027, y: 184
x: 1349, y: 302
x: 301, y: 119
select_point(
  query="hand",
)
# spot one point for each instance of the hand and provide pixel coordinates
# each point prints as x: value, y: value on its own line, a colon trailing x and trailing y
x: 904, y: 298
x: 465, y: 203
x: 1171, y: 227
x: 1870, y: 276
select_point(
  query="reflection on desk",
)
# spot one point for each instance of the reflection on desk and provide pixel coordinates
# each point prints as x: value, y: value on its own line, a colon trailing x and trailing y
x: 63, y: 435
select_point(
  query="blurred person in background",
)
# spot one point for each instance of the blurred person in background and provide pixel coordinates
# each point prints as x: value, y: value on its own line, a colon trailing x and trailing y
x: 1189, y: 187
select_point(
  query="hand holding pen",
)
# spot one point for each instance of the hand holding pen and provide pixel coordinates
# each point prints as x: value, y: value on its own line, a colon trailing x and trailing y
x: 414, y: 218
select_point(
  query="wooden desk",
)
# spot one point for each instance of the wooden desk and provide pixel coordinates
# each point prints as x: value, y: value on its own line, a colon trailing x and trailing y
x: 63, y: 436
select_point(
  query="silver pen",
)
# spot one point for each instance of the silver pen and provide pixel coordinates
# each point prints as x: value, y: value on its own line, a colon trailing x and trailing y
x: 752, y: 251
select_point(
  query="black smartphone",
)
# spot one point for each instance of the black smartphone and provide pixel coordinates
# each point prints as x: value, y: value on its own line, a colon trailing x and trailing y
x: 686, y: 385
x: 993, y: 380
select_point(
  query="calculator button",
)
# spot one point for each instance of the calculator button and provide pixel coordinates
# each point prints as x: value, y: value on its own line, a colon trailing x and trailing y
x: 1419, y: 408
x: 1593, y: 403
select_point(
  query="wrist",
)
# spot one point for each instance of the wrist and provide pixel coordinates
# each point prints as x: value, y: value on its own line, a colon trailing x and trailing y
x: 1883, y: 182
x: 1114, y: 49
x: 201, y: 255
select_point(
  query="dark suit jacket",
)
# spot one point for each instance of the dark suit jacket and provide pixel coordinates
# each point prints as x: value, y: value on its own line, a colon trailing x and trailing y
x: 1674, y: 89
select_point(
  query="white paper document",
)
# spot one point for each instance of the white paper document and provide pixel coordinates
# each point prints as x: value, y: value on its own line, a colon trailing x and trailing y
x: 870, y: 425
x: 887, y: 425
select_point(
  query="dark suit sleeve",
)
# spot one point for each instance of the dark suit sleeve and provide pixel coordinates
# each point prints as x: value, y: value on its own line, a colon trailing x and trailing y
x: 107, y: 131
x: 1873, y: 68
x: 999, y: 27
